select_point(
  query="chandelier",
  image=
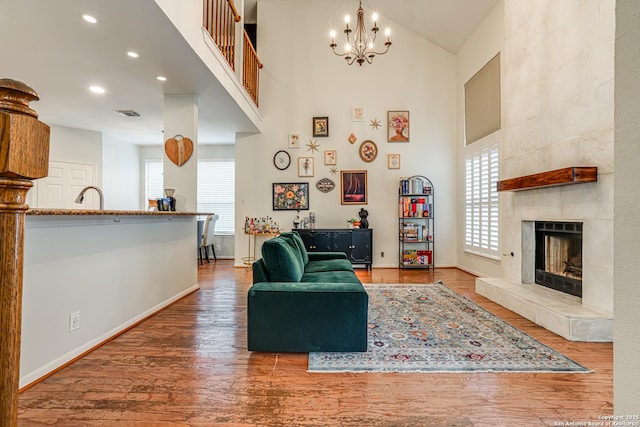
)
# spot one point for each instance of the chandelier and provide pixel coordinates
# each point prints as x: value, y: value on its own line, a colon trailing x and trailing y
x: 360, y: 47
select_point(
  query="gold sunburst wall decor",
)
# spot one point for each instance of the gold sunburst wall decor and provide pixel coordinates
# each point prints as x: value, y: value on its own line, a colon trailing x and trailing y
x: 375, y: 124
x: 313, y: 146
x: 333, y: 171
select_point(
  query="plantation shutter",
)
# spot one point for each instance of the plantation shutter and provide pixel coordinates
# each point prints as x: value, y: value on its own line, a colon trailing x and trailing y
x: 481, y: 202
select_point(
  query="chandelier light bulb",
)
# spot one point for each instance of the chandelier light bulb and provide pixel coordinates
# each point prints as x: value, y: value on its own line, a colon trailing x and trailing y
x: 332, y: 34
x: 387, y: 32
x: 360, y: 45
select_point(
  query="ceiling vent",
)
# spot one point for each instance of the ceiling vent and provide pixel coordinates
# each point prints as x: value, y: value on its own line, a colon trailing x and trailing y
x: 129, y: 113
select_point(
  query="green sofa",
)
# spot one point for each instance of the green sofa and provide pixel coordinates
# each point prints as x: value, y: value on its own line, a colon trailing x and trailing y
x: 305, y: 301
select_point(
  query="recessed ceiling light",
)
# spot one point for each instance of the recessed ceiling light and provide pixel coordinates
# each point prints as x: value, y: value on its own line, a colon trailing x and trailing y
x: 132, y: 54
x: 89, y: 18
x: 161, y: 78
x: 97, y: 89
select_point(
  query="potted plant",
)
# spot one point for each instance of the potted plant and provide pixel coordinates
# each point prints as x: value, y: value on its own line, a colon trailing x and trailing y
x: 353, y: 222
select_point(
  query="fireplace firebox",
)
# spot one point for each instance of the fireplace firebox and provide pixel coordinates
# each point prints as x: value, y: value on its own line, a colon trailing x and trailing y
x: 558, y: 256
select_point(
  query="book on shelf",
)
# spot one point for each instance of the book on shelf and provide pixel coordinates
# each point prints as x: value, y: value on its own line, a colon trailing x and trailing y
x: 417, y: 257
x: 414, y: 207
x: 414, y: 186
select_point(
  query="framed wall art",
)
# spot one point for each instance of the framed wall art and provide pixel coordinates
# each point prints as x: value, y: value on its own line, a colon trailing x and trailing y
x: 320, y: 126
x: 330, y: 157
x: 305, y: 166
x: 291, y: 196
x: 393, y: 161
x: 398, y: 126
x: 353, y: 187
x: 294, y: 140
x: 357, y: 114
x: 368, y: 151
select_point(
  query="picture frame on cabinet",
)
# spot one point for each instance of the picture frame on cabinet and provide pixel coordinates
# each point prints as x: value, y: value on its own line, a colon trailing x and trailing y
x: 305, y: 166
x: 320, y: 126
x: 330, y: 157
x: 393, y: 161
x: 398, y: 126
x: 353, y: 187
x: 290, y: 196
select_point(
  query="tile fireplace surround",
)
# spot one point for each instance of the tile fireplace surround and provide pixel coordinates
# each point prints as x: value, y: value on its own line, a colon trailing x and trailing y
x: 589, y: 318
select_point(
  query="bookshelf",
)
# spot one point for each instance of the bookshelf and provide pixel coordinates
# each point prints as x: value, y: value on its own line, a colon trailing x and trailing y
x: 415, y: 219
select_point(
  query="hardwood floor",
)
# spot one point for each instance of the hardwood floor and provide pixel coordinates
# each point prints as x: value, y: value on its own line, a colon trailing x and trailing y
x: 188, y: 366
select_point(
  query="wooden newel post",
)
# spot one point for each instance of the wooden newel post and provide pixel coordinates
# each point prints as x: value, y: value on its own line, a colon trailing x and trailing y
x: 24, y: 156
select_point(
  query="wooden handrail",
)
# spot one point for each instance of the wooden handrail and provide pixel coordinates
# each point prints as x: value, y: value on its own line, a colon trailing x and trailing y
x: 250, y: 69
x: 234, y: 10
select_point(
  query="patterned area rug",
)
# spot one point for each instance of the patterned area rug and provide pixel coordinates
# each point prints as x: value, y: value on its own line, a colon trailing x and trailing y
x: 430, y: 328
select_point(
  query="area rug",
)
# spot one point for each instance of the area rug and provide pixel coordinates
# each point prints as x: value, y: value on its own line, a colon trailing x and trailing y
x: 430, y: 328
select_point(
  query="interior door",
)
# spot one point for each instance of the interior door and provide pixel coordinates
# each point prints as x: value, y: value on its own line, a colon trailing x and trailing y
x: 63, y: 184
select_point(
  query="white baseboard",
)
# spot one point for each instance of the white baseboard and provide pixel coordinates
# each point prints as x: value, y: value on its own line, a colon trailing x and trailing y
x: 91, y: 345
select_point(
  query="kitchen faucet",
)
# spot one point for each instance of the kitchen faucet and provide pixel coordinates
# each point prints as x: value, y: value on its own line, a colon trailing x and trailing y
x: 80, y: 197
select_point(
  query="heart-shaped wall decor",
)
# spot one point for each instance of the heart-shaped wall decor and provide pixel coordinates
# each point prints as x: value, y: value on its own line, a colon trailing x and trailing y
x: 179, y: 149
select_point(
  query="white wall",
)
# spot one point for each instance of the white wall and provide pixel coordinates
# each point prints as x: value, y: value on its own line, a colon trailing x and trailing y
x: 626, y: 378
x: 302, y: 79
x: 120, y: 174
x: 483, y: 45
x: 114, y: 271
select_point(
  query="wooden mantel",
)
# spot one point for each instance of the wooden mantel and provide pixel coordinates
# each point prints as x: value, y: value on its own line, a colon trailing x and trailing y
x: 565, y: 176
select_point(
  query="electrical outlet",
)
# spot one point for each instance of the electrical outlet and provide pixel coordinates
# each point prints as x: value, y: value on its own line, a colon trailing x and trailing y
x: 381, y: 254
x: 74, y: 321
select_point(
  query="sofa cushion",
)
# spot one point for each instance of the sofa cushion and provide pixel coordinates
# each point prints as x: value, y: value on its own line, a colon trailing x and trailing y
x: 328, y: 265
x: 295, y: 240
x: 282, y: 262
x: 331, y: 277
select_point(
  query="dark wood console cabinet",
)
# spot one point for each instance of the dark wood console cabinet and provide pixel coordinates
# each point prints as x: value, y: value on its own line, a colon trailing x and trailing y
x: 357, y: 243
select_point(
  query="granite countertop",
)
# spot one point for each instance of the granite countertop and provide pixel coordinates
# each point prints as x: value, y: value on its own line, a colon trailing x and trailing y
x: 77, y: 212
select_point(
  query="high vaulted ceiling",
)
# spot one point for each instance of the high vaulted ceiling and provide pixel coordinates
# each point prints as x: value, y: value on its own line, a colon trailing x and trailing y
x: 47, y: 45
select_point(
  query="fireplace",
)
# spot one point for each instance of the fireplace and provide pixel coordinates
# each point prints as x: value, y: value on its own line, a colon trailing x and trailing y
x: 558, y: 256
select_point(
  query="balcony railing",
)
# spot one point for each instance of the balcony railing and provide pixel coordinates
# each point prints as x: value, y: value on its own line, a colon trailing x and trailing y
x: 219, y: 19
x: 250, y: 69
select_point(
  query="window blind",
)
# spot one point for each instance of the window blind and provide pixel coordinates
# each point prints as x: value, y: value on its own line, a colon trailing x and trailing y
x: 216, y: 192
x: 481, y: 202
x: 482, y: 102
x: 153, y: 172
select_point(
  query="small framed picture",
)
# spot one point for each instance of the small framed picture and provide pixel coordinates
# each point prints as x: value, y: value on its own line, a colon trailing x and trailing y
x: 330, y: 157
x: 398, y: 126
x: 320, y: 126
x: 357, y: 114
x: 294, y: 140
x: 353, y: 187
x: 393, y: 161
x: 305, y: 166
x: 368, y: 151
x: 290, y: 196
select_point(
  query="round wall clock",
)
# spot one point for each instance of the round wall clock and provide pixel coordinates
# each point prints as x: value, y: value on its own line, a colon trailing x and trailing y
x: 368, y: 151
x: 282, y: 160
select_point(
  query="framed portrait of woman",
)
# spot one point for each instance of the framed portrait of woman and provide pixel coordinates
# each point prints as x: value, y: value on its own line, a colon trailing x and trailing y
x: 398, y: 126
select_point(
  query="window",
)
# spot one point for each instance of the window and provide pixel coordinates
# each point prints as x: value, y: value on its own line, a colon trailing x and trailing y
x: 153, y: 171
x: 216, y: 192
x: 481, y: 200
x: 216, y: 189
x: 482, y: 102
